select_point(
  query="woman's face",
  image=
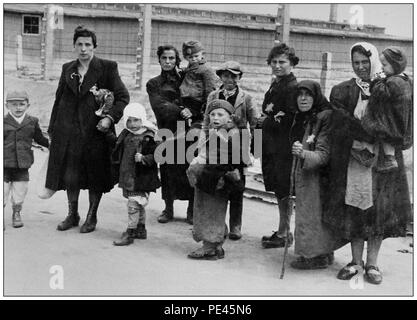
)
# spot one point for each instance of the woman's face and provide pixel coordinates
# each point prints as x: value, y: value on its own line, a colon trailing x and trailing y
x: 167, y: 60
x: 304, y: 100
x: 85, y: 48
x: 281, y: 65
x: 361, y: 65
x: 229, y: 80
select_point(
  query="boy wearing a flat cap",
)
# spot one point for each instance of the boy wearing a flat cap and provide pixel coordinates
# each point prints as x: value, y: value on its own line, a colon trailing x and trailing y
x: 19, y: 130
x: 199, y: 81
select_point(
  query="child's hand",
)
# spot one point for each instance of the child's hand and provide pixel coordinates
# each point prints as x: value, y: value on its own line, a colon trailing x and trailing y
x: 186, y: 113
x: 297, y: 150
x: 138, y: 157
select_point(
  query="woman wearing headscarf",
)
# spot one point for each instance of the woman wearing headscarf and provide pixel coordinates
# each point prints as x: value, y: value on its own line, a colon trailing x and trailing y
x: 364, y: 205
x: 314, y: 242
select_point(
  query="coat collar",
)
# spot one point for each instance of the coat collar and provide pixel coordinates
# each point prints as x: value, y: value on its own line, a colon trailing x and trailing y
x: 240, y: 98
x: 11, y: 121
x: 90, y: 78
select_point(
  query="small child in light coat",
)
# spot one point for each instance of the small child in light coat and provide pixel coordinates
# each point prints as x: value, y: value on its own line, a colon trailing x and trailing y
x: 19, y: 130
x: 133, y: 158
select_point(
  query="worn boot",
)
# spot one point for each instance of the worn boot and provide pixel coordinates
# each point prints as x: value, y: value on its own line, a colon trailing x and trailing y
x: 91, y: 219
x: 72, y: 218
x: 235, y: 221
x: 127, y: 238
x: 168, y: 213
x: 16, y: 219
x: 141, y: 232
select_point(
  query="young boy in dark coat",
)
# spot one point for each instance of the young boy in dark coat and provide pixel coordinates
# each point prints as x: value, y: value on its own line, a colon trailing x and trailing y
x: 216, y: 173
x: 133, y: 156
x: 198, y: 82
x: 19, y: 130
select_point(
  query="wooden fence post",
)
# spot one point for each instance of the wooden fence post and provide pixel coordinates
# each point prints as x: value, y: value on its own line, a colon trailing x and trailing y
x: 144, y: 45
x: 47, y: 42
x: 19, y: 52
x: 326, y: 65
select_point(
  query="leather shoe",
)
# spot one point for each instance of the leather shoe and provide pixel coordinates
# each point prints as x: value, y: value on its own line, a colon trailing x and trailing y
x: 349, y: 271
x: 373, y: 275
x: 165, y: 217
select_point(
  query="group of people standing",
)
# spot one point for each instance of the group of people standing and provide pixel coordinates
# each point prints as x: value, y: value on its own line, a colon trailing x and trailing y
x: 342, y: 158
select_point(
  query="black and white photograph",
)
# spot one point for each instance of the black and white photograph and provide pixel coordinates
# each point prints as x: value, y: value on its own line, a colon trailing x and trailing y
x: 226, y: 150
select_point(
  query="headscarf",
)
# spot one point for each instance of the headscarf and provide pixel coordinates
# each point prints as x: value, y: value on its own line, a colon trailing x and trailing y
x: 320, y: 103
x: 396, y: 58
x: 136, y: 110
x: 376, y: 67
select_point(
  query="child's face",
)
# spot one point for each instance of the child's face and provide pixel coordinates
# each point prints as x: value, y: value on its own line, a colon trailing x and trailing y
x: 219, y: 117
x: 134, y: 124
x: 229, y: 80
x: 17, y: 107
x: 195, y: 57
x: 386, y: 66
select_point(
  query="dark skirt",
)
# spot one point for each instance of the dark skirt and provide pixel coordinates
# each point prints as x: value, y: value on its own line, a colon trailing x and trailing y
x: 390, y: 213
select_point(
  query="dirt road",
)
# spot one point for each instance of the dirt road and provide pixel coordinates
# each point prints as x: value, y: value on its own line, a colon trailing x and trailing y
x: 90, y: 265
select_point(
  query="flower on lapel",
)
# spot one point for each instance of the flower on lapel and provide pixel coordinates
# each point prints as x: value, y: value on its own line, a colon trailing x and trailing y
x: 104, y: 98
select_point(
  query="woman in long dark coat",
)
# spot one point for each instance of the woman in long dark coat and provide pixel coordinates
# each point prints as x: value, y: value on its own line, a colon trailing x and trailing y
x: 279, y: 106
x: 363, y: 204
x: 79, y: 153
x: 164, y: 96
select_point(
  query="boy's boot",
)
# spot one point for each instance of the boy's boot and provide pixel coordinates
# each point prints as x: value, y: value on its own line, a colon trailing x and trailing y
x: 141, y: 232
x: 72, y: 218
x: 190, y: 209
x: 168, y: 213
x: 16, y: 219
x: 235, y: 221
x: 127, y: 238
x: 91, y: 219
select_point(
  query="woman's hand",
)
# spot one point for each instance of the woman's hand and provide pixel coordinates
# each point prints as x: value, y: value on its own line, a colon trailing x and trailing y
x: 138, y: 157
x: 186, y: 113
x: 104, y: 124
x: 297, y: 150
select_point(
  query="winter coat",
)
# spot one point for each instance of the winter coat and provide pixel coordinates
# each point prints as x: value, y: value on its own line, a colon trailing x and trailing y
x: 17, y: 144
x: 209, y: 168
x: 389, y: 114
x: 136, y: 176
x: 388, y: 216
x: 245, y: 110
x: 76, y: 142
x: 276, y: 149
x: 199, y: 81
x: 164, y: 96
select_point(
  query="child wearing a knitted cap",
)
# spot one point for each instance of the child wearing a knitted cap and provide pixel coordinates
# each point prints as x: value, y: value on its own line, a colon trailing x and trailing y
x: 216, y: 173
x: 199, y: 80
x: 389, y: 113
x: 134, y: 164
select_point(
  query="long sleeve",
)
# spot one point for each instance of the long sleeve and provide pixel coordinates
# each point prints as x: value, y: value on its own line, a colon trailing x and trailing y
x: 121, y: 94
x: 149, y: 147
x: 166, y: 112
x: 320, y: 155
x: 39, y: 137
x: 339, y: 98
x: 209, y: 81
x: 58, y: 95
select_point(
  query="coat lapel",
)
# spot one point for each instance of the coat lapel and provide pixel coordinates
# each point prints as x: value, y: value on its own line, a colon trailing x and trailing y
x: 239, y: 99
x: 11, y: 121
x: 70, y: 77
x: 354, y: 95
x: 93, y: 74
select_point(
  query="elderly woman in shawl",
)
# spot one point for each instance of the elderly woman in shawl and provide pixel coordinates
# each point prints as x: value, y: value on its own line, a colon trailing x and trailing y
x: 314, y: 242
x: 364, y: 205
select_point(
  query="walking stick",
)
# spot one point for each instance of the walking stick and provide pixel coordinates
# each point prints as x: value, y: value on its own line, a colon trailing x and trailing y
x: 291, y: 201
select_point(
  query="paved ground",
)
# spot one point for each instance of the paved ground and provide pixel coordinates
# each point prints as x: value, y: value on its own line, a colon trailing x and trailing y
x: 158, y: 266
